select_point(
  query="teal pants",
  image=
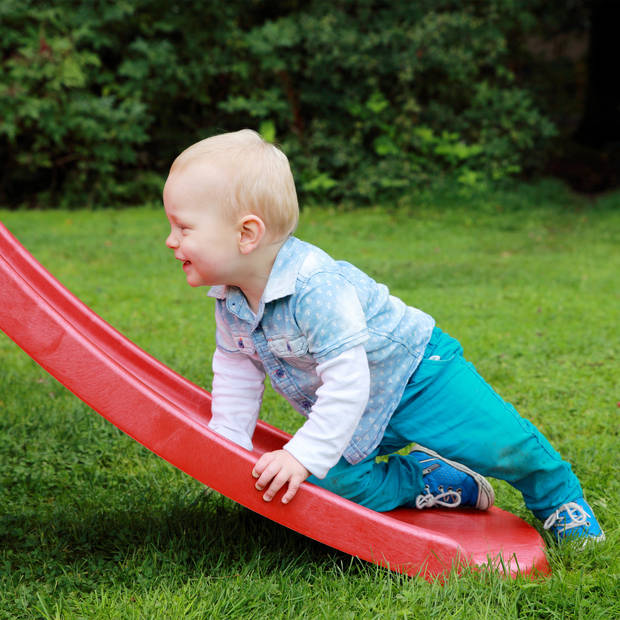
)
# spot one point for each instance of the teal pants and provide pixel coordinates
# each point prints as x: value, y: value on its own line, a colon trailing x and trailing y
x: 448, y: 407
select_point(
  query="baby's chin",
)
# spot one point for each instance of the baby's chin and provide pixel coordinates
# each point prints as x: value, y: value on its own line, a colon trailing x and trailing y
x: 190, y: 275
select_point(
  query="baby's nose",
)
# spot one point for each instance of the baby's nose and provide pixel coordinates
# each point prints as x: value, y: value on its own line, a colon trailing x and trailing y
x: 171, y: 241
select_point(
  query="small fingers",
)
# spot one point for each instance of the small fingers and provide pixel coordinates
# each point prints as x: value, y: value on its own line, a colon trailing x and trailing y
x: 261, y: 465
x: 293, y: 486
x: 269, y: 470
x: 274, y: 470
x: 276, y: 484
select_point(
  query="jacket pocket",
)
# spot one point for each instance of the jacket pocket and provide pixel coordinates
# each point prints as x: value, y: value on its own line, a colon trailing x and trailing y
x: 288, y: 347
x: 292, y: 350
x: 244, y: 344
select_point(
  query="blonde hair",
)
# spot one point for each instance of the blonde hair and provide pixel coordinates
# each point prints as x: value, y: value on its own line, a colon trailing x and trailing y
x: 262, y: 180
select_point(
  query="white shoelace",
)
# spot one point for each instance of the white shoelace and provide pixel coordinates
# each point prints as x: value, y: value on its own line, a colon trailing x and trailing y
x: 576, y: 516
x: 428, y: 500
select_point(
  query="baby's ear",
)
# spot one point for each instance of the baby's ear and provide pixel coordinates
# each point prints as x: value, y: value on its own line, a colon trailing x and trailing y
x: 251, y: 231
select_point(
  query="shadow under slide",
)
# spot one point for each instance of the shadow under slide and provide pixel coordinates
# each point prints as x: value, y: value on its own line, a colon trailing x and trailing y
x: 169, y: 415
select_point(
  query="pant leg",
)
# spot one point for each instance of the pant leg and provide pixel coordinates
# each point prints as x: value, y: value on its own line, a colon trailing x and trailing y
x: 381, y: 485
x: 448, y: 407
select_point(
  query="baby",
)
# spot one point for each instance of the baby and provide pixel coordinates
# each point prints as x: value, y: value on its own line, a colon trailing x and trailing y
x: 370, y: 374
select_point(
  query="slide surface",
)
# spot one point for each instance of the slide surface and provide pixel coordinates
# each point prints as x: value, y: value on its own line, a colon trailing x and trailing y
x: 168, y: 414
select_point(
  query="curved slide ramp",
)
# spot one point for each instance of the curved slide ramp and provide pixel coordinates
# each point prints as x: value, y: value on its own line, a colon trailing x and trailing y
x: 168, y: 415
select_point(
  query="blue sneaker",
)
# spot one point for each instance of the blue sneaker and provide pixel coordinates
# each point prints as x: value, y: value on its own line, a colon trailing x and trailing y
x: 574, y: 520
x: 449, y: 484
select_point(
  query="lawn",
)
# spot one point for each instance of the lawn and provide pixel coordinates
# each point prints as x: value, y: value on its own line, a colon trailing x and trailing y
x: 92, y: 525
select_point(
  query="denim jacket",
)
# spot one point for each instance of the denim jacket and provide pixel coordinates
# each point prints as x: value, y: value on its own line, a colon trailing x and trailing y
x: 313, y: 308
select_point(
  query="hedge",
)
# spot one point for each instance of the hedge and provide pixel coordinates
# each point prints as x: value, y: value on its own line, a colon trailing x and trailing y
x: 369, y: 99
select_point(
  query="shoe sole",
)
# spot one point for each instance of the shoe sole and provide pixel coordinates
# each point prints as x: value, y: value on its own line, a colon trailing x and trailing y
x: 486, y: 495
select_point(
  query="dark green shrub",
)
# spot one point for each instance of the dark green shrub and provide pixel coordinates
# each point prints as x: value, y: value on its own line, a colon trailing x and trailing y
x: 368, y: 98
x: 388, y: 96
x: 61, y: 129
x: 96, y: 96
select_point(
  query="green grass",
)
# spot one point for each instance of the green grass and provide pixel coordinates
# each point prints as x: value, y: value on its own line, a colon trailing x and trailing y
x: 92, y: 525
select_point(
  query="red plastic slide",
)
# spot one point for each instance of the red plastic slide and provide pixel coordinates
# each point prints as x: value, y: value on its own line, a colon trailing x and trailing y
x: 169, y: 415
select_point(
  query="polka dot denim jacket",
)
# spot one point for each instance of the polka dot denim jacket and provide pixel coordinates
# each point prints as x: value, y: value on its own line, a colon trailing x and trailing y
x: 314, y: 308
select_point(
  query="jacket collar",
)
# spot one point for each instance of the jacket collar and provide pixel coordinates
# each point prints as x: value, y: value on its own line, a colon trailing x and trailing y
x: 281, y: 282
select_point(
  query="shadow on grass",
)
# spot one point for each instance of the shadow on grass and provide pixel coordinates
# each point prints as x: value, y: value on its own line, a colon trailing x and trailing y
x: 209, y: 534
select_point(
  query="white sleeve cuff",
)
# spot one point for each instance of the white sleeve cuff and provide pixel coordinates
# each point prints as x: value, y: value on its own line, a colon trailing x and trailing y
x: 341, y: 401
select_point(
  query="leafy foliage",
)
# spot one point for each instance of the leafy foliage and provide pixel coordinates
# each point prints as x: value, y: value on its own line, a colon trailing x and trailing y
x: 367, y: 98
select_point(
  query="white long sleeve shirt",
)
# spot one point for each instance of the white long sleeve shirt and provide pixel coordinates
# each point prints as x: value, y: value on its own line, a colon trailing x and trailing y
x: 238, y: 384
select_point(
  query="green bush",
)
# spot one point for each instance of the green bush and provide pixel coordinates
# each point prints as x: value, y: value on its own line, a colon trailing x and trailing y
x: 367, y: 98
x: 94, y: 97
x: 61, y: 129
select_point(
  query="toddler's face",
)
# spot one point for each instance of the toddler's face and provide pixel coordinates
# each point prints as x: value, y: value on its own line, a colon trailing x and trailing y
x: 201, y: 236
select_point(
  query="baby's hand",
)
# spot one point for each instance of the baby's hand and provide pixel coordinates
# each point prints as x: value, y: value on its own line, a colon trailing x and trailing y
x: 279, y: 467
